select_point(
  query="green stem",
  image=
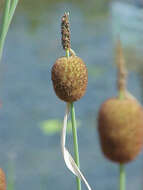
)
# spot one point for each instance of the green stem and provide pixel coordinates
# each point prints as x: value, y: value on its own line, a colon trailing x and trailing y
x: 121, y: 95
x: 122, y: 177
x: 75, y: 141
x: 67, y: 53
x: 4, y: 25
x: 74, y: 132
x: 121, y: 166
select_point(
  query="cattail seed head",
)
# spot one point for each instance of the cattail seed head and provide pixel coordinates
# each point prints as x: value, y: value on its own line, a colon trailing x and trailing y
x: 69, y: 77
x: 120, y: 126
x: 2, y: 180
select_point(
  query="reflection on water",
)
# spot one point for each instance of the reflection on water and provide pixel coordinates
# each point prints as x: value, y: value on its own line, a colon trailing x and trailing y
x: 28, y: 99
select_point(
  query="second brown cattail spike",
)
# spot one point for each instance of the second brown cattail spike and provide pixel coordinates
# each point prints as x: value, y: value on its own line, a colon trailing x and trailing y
x: 120, y: 121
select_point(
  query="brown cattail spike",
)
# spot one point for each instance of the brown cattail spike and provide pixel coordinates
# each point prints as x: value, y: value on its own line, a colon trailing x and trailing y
x: 69, y: 77
x: 122, y: 72
x: 2, y: 180
x: 65, y: 31
x: 120, y: 126
x: 120, y: 121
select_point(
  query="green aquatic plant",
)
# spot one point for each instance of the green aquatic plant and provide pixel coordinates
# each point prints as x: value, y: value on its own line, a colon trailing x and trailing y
x: 53, y: 126
x: 69, y: 77
x: 120, y: 124
x: 8, y: 12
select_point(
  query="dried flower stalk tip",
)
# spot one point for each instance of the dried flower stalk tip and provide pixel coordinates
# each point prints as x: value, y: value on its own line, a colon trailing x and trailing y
x: 65, y: 32
x: 122, y: 72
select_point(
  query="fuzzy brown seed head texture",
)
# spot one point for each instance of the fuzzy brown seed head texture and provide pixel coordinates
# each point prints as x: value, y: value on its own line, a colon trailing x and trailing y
x: 120, y: 126
x: 65, y: 32
x: 69, y: 77
x: 2, y: 180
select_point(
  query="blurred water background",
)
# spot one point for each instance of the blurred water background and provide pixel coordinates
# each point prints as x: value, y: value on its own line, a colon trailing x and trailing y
x: 29, y: 136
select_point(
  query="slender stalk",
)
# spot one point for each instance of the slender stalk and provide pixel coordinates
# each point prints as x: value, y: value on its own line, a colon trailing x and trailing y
x: 4, y: 25
x: 122, y: 77
x: 75, y: 141
x: 74, y: 133
x: 67, y: 53
x: 122, y: 177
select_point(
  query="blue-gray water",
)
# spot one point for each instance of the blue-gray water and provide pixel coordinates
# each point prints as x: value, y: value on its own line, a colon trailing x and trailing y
x: 27, y: 97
